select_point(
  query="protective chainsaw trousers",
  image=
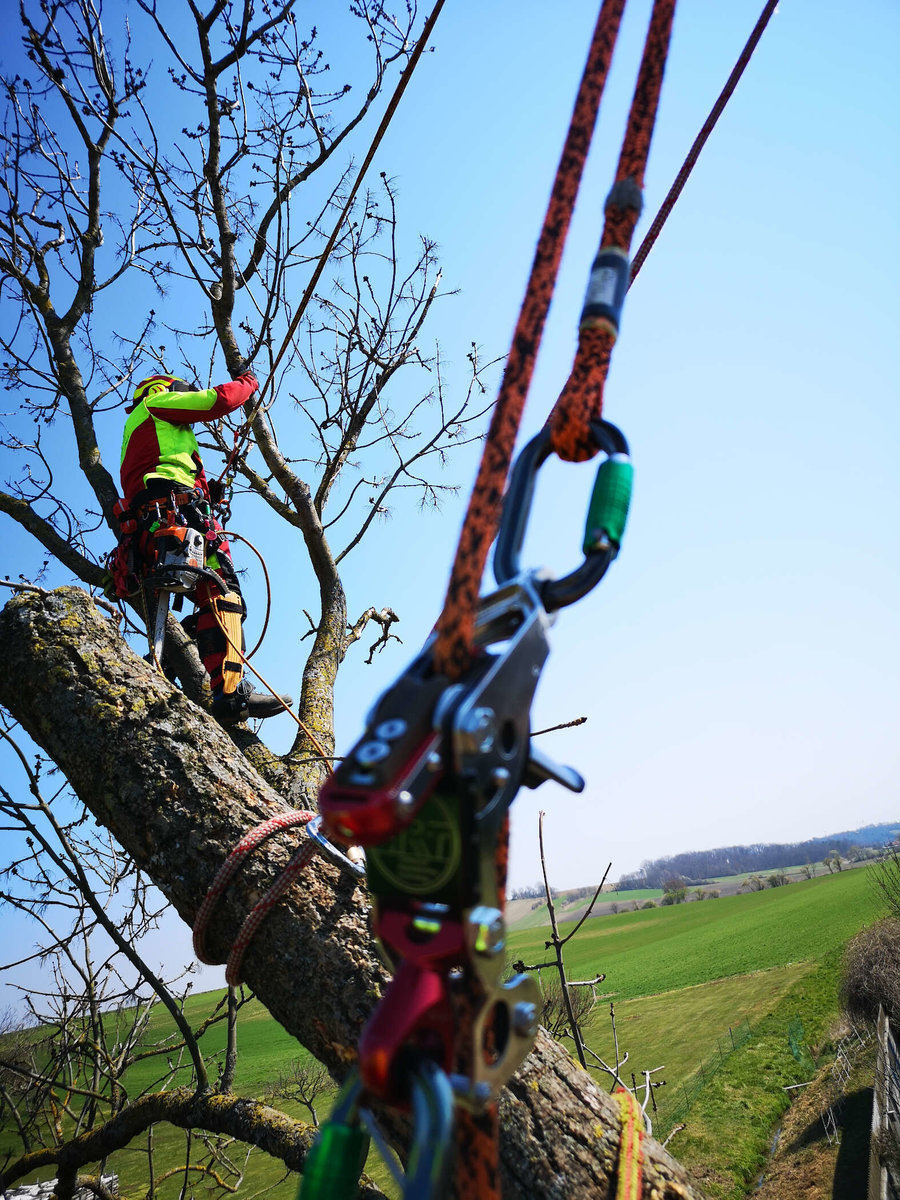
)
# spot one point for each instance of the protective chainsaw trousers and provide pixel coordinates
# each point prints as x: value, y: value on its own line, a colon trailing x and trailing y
x: 219, y: 639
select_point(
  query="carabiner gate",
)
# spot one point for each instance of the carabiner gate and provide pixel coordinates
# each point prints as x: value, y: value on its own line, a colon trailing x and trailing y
x: 607, y: 514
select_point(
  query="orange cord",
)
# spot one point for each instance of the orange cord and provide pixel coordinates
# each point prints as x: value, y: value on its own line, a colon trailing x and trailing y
x: 455, y: 626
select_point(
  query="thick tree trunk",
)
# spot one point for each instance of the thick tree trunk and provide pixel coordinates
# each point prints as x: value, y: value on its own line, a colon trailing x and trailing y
x: 178, y: 795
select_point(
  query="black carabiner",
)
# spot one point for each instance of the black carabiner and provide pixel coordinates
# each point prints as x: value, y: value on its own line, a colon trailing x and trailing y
x: 601, y: 544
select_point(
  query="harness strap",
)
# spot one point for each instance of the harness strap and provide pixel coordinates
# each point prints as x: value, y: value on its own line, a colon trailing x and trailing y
x: 165, y: 500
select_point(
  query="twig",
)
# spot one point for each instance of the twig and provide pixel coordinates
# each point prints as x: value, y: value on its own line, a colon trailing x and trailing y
x: 557, y: 946
x: 564, y: 725
x: 675, y: 1129
x: 24, y: 587
x: 588, y: 982
x: 589, y: 907
x: 33, y: 587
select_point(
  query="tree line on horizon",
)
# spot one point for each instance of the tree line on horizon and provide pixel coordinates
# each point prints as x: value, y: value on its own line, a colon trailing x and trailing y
x: 699, y: 865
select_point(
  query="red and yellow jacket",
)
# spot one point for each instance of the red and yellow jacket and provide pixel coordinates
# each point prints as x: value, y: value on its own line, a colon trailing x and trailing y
x: 159, y: 443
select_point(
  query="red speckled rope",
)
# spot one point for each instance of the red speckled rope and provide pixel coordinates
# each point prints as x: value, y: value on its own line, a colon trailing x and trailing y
x: 256, y: 915
x: 581, y: 400
x: 453, y: 650
x: 249, y: 842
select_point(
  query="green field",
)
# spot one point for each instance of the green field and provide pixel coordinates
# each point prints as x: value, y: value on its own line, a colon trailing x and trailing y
x: 568, y: 909
x: 668, y: 948
x: 632, y: 894
x: 679, y: 978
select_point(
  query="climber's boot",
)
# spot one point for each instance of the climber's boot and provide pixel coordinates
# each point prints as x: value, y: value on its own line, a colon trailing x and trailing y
x: 245, y: 704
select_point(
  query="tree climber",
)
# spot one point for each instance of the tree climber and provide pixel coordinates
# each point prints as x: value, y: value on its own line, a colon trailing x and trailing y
x: 163, y: 479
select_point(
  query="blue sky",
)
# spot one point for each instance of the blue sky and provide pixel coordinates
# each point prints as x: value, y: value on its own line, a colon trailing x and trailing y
x: 739, y: 664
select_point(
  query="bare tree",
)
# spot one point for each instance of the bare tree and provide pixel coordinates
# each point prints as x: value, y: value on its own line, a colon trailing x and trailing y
x: 166, y: 194
x: 571, y: 1026
x: 104, y: 201
x: 303, y: 1081
x: 568, y: 1004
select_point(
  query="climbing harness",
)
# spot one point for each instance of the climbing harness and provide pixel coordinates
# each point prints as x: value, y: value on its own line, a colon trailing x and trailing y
x: 161, y: 554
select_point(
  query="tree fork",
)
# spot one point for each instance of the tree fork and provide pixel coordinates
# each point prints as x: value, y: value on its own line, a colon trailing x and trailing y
x: 178, y: 795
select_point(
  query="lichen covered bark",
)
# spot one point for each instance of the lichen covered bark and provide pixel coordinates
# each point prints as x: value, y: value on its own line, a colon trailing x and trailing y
x: 178, y: 794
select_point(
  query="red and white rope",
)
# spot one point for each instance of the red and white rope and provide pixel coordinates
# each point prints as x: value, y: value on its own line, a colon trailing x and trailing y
x: 257, y: 914
x: 249, y: 842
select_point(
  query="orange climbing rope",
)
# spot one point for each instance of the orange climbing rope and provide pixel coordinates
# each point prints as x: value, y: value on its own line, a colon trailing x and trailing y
x: 453, y: 650
x: 700, y: 141
x: 581, y: 400
x: 477, y: 1158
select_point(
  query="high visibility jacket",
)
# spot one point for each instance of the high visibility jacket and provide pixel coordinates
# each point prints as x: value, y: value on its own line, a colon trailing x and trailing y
x: 159, y: 443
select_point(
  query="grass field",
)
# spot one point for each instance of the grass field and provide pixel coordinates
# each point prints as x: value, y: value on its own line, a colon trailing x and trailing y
x: 679, y: 977
x: 531, y: 914
x: 668, y: 948
x: 631, y: 894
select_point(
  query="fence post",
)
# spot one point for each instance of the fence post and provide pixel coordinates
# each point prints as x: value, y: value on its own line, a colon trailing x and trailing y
x: 731, y: 1031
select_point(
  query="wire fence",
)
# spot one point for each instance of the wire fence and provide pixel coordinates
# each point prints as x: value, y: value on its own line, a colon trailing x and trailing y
x: 884, y: 1159
x: 841, y: 1070
x: 680, y: 1101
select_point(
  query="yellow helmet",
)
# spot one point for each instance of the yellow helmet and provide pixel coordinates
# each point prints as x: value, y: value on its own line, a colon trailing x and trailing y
x: 159, y: 383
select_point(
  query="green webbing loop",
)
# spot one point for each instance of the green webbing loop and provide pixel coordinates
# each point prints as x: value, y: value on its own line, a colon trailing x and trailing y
x: 335, y: 1163
x: 608, y: 510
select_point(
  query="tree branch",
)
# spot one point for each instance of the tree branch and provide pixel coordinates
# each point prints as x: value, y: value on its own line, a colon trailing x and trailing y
x: 178, y: 796
x: 81, y: 566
